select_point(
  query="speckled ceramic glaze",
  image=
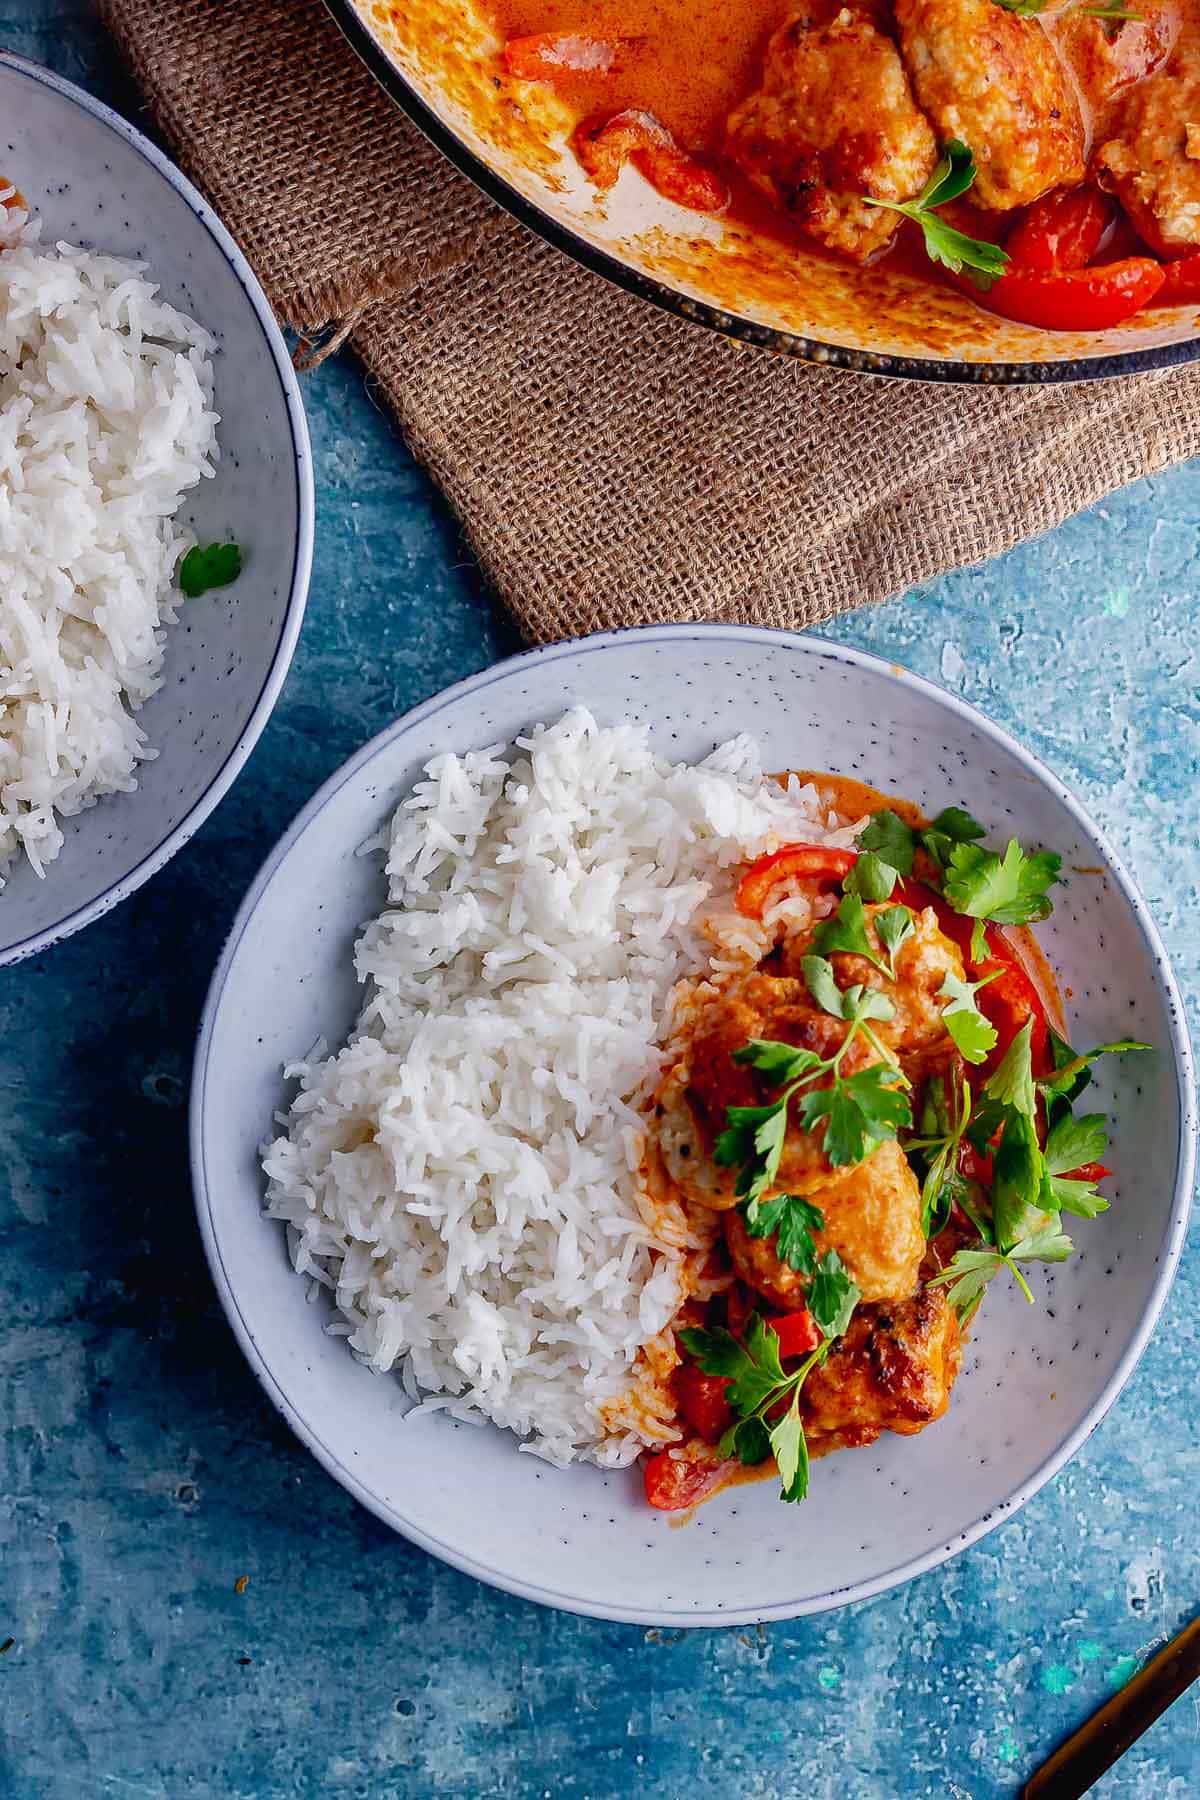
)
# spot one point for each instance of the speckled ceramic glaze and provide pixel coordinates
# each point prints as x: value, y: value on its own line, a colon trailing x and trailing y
x: 95, y: 181
x: 1036, y: 1380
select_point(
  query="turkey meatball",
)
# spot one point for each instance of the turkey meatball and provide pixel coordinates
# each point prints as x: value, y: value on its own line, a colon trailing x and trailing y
x: 834, y: 120
x: 994, y: 80
x: 1151, y: 160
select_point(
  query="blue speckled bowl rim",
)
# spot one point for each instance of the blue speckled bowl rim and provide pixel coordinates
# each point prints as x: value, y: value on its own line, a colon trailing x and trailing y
x: 730, y: 324
x: 293, y: 613
x: 702, y: 635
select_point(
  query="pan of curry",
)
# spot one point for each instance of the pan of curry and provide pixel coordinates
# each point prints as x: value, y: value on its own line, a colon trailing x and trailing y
x: 986, y: 190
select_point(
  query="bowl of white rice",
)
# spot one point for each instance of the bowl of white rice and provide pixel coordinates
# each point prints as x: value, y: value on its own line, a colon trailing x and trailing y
x: 419, y: 1115
x: 156, y: 510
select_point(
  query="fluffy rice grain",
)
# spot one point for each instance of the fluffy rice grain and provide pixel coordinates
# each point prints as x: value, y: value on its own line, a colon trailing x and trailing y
x: 106, y: 420
x: 465, y: 1174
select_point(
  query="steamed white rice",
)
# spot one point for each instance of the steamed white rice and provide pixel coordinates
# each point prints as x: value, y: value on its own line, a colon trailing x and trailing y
x: 465, y: 1174
x: 106, y: 420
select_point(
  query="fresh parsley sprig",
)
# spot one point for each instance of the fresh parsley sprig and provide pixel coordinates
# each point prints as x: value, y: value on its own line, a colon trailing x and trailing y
x: 1029, y: 1186
x: 941, y: 1133
x: 845, y: 932
x: 974, y: 1036
x: 764, y: 1400
x: 859, y: 1111
x: 953, y: 175
x: 970, y: 1270
x: 1012, y: 889
x: 791, y: 1221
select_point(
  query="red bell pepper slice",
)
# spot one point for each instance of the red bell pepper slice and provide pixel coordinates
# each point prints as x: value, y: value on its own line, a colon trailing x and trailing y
x: 1181, y: 285
x: 1061, y: 231
x: 803, y: 862
x: 605, y: 146
x: 560, y: 56
x: 974, y: 1165
x: 1078, y: 299
x: 797, y: 1332
x: 673, y: 1483
x: 1009, y: 999
x: 1092, y: 1172
x: 702, y: 1402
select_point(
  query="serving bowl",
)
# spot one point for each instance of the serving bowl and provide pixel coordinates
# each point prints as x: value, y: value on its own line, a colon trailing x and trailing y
x: 1036, y: 1380
x: 439, y: 59
x: 96, y: 181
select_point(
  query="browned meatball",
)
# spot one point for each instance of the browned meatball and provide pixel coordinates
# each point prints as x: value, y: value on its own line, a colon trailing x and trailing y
x: 695, y: 1094
x: 922, y: 964
x: 833, y: 120
x: 1151, y: 160
x: 872, y: 1219
x: 893, y: 1371
x: 994, y: 80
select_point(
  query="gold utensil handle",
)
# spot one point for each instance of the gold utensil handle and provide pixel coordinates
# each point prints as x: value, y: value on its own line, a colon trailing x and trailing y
x: 1107, y: 1735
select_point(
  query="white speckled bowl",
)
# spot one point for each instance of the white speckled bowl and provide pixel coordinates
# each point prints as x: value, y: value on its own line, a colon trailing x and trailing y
x: 96, y: 181
x: 1036, y: 1381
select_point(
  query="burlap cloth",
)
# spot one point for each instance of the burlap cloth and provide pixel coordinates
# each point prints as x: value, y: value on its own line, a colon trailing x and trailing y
x: 611, y: 465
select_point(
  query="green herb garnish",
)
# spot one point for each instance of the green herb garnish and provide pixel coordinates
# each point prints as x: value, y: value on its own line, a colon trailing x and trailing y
x: 943, y: 244
x: 941, y: 1135
x: 215, y: 566
x: 845, y: 933
x: 974, y: 1036
x: 969, y: 1271
x: 1007, y: 890
x: 859, y: 1111
x: 791, y: 1220
x: 758, y: 1385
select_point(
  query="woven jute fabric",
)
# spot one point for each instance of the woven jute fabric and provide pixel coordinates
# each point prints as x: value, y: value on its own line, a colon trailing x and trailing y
x: 611, y: 464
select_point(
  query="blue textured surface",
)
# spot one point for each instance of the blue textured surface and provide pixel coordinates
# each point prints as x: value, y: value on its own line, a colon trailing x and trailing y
x: 141, y: 1471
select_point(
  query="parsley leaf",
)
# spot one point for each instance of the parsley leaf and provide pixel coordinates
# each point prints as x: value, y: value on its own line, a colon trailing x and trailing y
x: 766, y: 1402
x: 1048, y: 1244
x: 845, y: 931
x: 792, y: 1221
x: 894, y: 927
x: 965, y: 1277
x: 215, y: 566
x: 790, y: 1447
x: 1072, y: 1073
x: 860, y: 1111
x: 1018, y: 1180
x: 943, y: 244
x: 952, y: 826
x: 891, y: 839
x: 818, y: 973
x: 1075, y: 1141
x: 748, y: 1440
x: 753, y: 1369
x: 1083, y: 1198
x: 969, y: 1271
x: 938, y: 1143
x: 778, y: 1061
x: 861, y: 1003
x: 1011, y: 1083
x: 833, y: 1296
x: 974, y: 1035
x: 1024, y: 9
x: 1009, y: 890
x: 871, y: 877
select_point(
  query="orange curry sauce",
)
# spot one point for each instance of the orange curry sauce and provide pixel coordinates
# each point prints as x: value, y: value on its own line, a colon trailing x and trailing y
x: 852, y: 799
x: 689, y: 63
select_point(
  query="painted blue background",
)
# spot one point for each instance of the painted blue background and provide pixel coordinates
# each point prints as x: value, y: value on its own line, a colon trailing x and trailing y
x: 142, y: 1473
